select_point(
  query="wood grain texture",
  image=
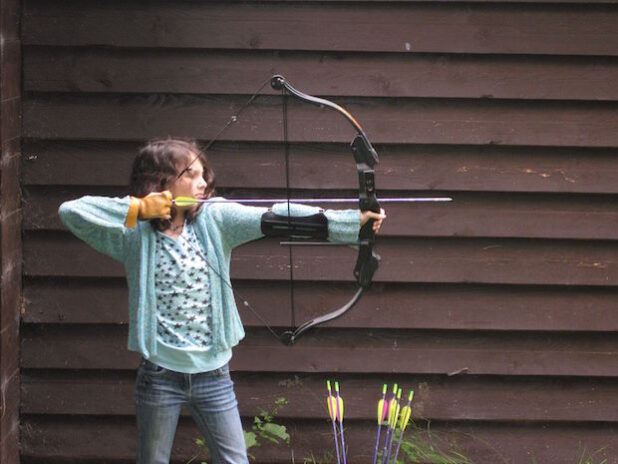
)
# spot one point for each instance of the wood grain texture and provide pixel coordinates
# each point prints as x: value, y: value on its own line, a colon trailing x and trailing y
x: 498, y: 309
x: 420, y: 121
x: 381, y: 351
x: 409, y: 167
x: 408, y: 260
x: 121, y: 70
x: 385, y: 305
x: 10, y: 229
x: 415, y: 27
x: 468, y: 215
x: 458, y: 398
x: 65, y: 438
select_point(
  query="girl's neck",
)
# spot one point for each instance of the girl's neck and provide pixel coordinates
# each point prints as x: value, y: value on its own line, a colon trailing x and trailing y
x: 176, y: 226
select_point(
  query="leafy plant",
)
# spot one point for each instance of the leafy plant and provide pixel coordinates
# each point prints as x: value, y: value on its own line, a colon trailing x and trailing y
x: 264, y: 428
x: 423, y: 446
x: 327, y: 458
x: 593, y: 457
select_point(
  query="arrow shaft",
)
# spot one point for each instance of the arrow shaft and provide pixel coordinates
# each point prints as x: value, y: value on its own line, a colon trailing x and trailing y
x: 332, y: 412
x: 340, y: 416
x: 194, y: 201
x: 336, y: 440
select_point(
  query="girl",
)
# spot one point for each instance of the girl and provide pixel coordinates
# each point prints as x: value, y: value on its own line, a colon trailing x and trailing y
x: 183, y: 318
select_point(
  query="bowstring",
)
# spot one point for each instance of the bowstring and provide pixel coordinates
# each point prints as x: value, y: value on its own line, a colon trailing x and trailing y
x: 227, y: 281
x: 286, y: 148
x: 233, y: 119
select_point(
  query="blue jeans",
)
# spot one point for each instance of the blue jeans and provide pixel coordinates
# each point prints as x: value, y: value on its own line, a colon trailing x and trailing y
x: 209, y: 396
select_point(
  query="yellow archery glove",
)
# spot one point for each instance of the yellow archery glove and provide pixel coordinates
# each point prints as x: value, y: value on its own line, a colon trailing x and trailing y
x: 155, y: 205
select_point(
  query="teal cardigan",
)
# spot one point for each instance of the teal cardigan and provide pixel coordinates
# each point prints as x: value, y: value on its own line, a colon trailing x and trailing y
x: 220, y: 227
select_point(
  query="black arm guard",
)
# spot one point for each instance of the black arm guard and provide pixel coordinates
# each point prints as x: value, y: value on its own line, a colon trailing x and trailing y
x: 314, y: 226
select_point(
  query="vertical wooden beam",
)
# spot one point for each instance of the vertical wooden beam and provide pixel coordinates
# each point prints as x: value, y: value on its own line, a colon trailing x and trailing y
x: 10, y: 230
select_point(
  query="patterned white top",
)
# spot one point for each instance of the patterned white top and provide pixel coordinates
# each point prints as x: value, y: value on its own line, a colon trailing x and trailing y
x: 184, y: 312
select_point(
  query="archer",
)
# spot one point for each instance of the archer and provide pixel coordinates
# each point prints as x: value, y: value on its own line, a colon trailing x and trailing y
x: 183, y: 317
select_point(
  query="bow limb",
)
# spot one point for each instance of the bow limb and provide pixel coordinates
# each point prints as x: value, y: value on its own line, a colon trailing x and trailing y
x: 279, y: 82
x: 289, y: 337
x: 366, y: 158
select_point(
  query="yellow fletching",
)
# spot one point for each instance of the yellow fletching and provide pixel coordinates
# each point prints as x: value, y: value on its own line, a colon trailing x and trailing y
x: 331, y: 407
x: 185, y: 201
x: 340, y: 416
x: 381, y: 411
x: 406, y: 412
x: 395, y: 416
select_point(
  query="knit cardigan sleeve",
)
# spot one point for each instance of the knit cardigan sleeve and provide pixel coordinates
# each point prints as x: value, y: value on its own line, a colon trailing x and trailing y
x: 241, y: 224
x: 100, y: 222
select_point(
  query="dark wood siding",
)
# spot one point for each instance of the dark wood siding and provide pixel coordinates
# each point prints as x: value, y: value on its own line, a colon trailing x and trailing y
x: 500, y: 309
x: 10, y: 230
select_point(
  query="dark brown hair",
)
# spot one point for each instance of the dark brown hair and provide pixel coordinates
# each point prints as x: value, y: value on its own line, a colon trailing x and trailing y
x: 159, y: 163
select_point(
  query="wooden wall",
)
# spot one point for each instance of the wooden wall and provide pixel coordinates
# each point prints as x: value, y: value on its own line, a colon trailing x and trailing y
x: 499, y: 309
x: 10, y: 230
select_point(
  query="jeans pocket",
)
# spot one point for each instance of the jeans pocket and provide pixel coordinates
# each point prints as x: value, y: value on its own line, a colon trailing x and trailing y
x: 223, y: 371
x: 151, y: 368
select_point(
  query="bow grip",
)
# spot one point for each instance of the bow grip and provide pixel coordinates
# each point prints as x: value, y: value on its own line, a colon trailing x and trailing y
x: 368, y: 261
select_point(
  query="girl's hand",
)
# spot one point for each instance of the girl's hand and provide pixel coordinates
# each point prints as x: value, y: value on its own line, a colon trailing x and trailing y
x: 377, y: 219
x: 156, y: 205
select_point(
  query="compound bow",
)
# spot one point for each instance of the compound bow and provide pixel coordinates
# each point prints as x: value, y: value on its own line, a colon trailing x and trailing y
x: 366, y: 158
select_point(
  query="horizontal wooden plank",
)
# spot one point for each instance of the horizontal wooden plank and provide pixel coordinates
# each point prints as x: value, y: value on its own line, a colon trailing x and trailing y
x: 12, y: 69
x: 426, y: 121
x: 580, y: 2
x: 388, y: 306
x: 436, y: 398
x: 48, y: 69
x: 10, y: 125
x: 115, y: 438
x: 409, y: 260
x: 375, y: 352
x: 469, y: 215
x: 402, y: 167
x: 416, y: 27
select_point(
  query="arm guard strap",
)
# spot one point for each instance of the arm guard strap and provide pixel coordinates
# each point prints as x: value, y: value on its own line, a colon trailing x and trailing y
x: 314, y: 226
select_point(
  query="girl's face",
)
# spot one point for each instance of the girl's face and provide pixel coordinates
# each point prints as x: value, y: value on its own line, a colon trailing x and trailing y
x: 191, y: 183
